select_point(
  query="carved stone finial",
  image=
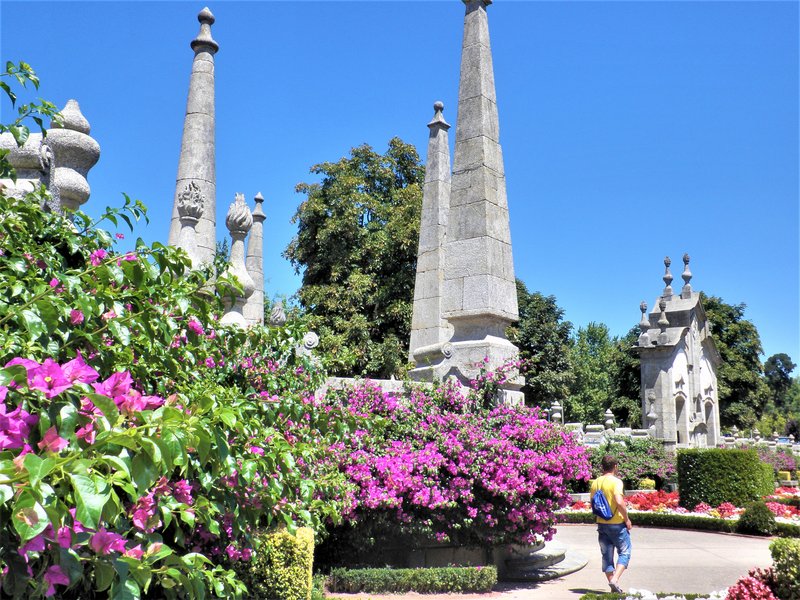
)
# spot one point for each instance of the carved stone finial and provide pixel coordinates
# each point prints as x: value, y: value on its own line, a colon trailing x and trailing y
x: 667, y: 279
x: 190, y: 203
x: 73, y: 153
x: 277, y: 317
x: 204, y: 41
x: 663, y: 323
x: 686, y: 291
x: 438, y: 116
x: 644, y: 324
x: 310, y: 340
x: 258, y: 210
x: 239, y: 219
x: 609, y: 419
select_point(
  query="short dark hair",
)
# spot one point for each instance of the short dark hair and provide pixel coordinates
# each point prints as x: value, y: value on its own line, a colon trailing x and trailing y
x: 608, y: 463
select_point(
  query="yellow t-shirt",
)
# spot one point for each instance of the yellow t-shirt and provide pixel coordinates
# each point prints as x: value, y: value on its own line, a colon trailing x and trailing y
x: 610, y: 486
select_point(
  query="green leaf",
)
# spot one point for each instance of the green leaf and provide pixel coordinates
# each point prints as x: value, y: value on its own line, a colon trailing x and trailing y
x: 29, y: 517
x: 103, y: 575
x: 33, y: 323
x: 37, y: 468
x: 120, y: 332
x: 106, y: 406
x: 143, y: 471
x: 90, y: 498
x: 6, y: 493
x: 17, y: 373
x: 125, y: 590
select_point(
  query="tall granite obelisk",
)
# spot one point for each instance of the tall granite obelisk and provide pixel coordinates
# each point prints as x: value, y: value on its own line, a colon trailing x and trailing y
x: 196, y: 167
x: 479, y: 297
x: 428, y: 325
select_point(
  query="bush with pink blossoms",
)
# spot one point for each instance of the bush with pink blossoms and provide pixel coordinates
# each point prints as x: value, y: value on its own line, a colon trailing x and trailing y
x: 441, y: 466
x: 750, y: 588
x: 140, y: 442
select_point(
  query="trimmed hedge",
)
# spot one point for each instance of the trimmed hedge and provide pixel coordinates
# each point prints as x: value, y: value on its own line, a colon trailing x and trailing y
x: 445, y: 579
x: 281, y: 568
x: 717, y: 475
x: 676, y: 521
x: 757, y: 519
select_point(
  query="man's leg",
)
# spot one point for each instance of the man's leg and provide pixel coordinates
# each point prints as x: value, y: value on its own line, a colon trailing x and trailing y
x: 623, y: 546
x: 606, y: 552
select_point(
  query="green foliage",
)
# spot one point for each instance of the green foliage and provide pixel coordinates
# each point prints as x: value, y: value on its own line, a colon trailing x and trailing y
x: 592, y: 388
x: 37, y: 111
x: 778, y: 376
x: 757, y: 519
x: 742, y: 390
x: 718, y: 475
x: 356, y: 246
x: 205, y: 394
x: 786, y: 564
x: 423, y: 581
x: 543, y: 338
x: 281, y: 568
x: 637, y: 458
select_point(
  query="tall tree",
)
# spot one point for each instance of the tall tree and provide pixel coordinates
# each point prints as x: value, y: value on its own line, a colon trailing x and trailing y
x: 778, y: 376
x: 356, y: 246
x: 592, y: 389
x: 543, y: 338
x: 742, y: 390
x: 626, y: 377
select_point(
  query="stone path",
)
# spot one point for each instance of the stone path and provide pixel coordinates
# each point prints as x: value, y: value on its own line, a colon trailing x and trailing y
x: 663, y: 560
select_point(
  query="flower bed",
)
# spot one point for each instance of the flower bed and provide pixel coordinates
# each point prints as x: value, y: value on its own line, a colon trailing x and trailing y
x: 662, y: 509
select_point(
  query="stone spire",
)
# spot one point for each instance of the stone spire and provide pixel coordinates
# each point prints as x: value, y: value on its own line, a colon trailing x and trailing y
x: 686, y: 291
x: 479, y: 293
x: 197, y: 159
x: 663, y: 323
x: 428, y: 326
x: 239, y: 221
x: 479, y: 270
x: 254, y: 306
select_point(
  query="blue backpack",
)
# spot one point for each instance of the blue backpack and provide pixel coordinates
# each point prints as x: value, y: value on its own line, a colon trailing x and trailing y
x: 600, y: 506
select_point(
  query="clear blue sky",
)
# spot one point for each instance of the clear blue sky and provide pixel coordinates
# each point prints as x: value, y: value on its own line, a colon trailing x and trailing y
x: 630, y: 130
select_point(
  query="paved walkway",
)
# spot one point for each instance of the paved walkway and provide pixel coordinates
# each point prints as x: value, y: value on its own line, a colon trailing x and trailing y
x: 663, y: 560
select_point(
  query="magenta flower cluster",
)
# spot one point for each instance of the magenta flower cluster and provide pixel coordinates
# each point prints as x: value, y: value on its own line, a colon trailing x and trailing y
x: 441, y: 465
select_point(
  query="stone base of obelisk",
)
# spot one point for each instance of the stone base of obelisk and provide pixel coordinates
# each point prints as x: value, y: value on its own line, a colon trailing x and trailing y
x: 466, y: 359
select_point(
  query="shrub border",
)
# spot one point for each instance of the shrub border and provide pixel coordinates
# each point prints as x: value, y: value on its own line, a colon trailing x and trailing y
x: 422, y: 580
x: 676, y: 521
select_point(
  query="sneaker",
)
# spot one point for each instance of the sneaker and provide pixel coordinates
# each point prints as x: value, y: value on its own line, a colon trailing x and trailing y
x: 615, y: 588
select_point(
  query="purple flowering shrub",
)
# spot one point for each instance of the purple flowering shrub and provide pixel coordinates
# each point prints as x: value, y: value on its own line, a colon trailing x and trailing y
x: 440, y: 465
x: 141, y: 444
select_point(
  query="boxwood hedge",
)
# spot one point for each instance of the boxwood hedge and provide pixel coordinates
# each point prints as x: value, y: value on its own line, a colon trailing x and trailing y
x: 717, y: 475
x: 429, y: 580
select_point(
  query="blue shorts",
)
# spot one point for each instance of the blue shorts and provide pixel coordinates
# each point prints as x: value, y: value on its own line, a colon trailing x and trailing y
x: 611, y: 537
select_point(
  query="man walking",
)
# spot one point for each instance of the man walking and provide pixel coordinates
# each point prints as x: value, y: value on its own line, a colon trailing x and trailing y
x: 613, y: 533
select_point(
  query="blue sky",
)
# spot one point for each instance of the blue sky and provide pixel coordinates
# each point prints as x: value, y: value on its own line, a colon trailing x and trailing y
x: 630, y: 130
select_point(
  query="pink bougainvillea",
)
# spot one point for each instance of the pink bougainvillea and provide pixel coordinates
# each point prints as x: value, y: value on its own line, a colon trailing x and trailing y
x: 443, y: 465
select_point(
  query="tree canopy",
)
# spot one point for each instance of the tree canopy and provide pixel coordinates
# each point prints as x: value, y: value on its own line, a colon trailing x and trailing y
x: 742, y: 391
x: 356, y: 247
x: 543, y: 338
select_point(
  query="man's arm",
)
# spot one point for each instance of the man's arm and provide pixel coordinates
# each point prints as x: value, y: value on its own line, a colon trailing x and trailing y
x: 623, y: 510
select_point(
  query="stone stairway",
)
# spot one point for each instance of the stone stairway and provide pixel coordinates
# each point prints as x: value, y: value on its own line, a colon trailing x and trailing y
x: 540, y: 563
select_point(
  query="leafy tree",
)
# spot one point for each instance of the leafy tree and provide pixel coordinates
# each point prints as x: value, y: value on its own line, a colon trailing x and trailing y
x: 778, y: 376
x: 742, y: 390
x: 626, y: 403
x: 543, y: 338
x: 592, y: 388
x: 356, y: 246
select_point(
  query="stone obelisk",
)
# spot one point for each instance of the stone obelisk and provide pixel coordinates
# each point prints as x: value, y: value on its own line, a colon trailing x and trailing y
x: 428, y: 325
x: 254, y: 306
x: 479, y: 297
x: 196, y: 167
